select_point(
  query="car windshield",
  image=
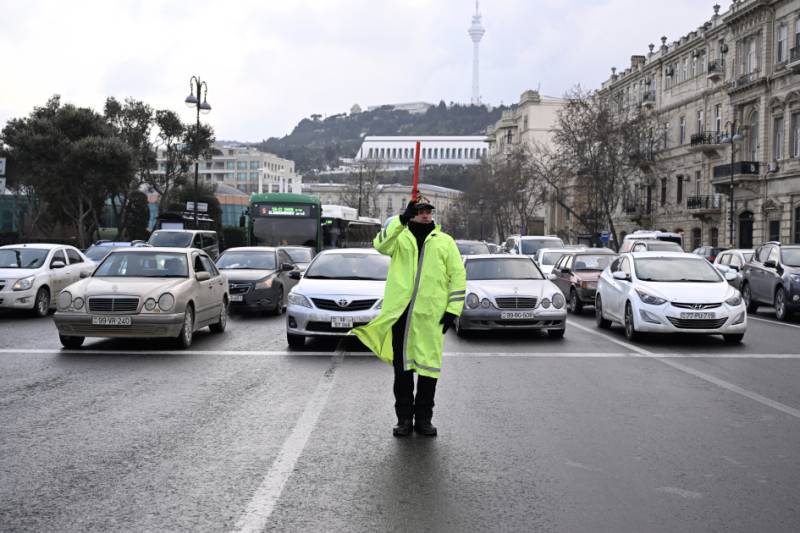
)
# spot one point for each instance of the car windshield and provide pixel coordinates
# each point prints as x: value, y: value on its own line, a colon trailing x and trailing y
x: 22, y: 257
x: 172, y: 239
x: 790, y: 256
x: 663, y: 246
x: 550, y: 258
x: 502, y: 268
x: 96, y: 253
x: 531, y: 246
x: 592, y: 262
x: 675, y: 269
x: 300, y: 255
x: 472, y: 248
x: 254, y: 260
x: 349, y: 266
x: 143, y: 265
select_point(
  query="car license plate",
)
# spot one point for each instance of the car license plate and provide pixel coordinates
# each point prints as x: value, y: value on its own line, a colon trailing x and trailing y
x: 237, y: 297
x: 697, y: 316
x: 111, y: 321
x: 516, y: 315
x: 341, y: 322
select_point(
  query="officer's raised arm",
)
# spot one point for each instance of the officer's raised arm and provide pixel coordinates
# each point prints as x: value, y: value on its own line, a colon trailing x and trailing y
x: 386, y: 239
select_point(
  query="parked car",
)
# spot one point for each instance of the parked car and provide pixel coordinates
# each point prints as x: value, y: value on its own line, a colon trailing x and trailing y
x: 546, y: 258
x: 472, y: 247
x: 709, y: 252
x: 341, y: 289
x: 576, y: 273
x: 259, y: 277
x: 31, y: 275
x: 529, y: 244
x: 510, y: 293
x: 301, y: 256
x: 668, y: 292
x: 147, y: 293
x: 649, y: 245
x: 733, y: 260
x: 205, y: 240
x: 494, y: 248
x: 100, y: 249
x: 772, y: 277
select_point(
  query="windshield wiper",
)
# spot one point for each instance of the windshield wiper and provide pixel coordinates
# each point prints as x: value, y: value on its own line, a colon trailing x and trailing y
x: 320, y: 277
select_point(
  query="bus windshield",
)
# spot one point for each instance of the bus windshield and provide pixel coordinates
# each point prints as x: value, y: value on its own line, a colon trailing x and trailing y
x: 274, y: 231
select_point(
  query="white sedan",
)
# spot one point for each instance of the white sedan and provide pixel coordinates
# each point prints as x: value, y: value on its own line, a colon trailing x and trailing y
x: 669, y: 292
x: 341, y: 289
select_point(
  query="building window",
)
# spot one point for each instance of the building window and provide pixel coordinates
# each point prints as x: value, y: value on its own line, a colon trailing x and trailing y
x: 751, y: 56
x: 777, y: 139
x: 525, y: 122
x: 797, y: 224
x: 715, y: 237
x: 241, y: 176
x: 781, y: 51
x: 663, y: 191
x: 774, y: 230
x: 697, y: 183
x: 753, y: 137
x: 241, y: 165
x: 253, y: 165
x: 697, y: 238
x: 666, y: 135
x: 795, y: 140
x: 694, y: 66
x: 682, y: 131
x: 230, y: 165
x: 685, y: 68
x: 699, y: 122
x: 254, y: 175
x: 679, y: 190
x: 718, y: 118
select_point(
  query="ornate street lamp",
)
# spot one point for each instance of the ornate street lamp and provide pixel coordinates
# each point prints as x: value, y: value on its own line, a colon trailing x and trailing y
x: 193, y: 100
x: 732, y: 139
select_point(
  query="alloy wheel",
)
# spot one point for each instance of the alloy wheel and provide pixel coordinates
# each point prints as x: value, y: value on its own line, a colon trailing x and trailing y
x: 780, y: 304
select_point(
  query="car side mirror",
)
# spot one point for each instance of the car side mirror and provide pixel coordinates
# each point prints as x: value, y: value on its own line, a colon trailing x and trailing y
x: 731, y: 275
x: 85, y: 274
x: 769, y: 263
x: 57, y: 264
x: 295, y: 274
x: 287, y: 267
x: 620, y: 275
x: 552, y: 277
x: 723, y: 268
x: 734, y: 267
x: 202, y: 276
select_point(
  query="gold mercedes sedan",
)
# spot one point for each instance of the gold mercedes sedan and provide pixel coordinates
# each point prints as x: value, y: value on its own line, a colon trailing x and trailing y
x: 145, y: 292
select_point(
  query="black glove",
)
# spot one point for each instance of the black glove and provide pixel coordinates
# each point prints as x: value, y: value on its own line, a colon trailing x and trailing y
x: 447, y: 321
x: 409, y: 213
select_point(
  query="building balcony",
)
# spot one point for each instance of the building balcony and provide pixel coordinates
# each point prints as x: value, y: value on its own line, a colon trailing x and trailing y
x: 707, y: 141
x: 716, y: 70
x: 743, y: 171
x: 701, y: 206
x: 745, y: 81
x: 648, y: 99
x: 643, y: 158
x: 794, y: 59
x: 639, y: 212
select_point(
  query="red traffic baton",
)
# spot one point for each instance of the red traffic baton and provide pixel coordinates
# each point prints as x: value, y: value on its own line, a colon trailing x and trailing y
x: 415, y: 182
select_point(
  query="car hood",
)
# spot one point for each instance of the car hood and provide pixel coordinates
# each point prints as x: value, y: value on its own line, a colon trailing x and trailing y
x: 142, y: 287
x: 701, y: 293
x: 546, y: 269
x: 246, y: 275
x: 538, y: 288
x: 17, y: 273
x: 588, y: 275
x: 344, y: 287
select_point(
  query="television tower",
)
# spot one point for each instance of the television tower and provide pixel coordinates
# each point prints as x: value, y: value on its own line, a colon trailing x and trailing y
x: 476, y: 31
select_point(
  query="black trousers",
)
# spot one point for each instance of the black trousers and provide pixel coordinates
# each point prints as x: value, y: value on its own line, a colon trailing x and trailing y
x: 405, y: 404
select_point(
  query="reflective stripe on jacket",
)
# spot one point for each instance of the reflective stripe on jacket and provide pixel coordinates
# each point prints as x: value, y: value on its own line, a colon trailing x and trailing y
x: 438, y: 286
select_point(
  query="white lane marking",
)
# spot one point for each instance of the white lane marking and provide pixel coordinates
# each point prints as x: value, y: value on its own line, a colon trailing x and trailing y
x: 269, y: 491
x: 287, y: 353
x: 702, y: 375
x: 773, y: 322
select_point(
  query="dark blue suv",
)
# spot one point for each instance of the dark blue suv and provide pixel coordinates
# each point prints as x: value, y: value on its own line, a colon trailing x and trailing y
x: 772, y: 277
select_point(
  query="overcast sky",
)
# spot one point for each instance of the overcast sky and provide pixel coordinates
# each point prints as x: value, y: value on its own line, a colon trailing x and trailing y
x: 269, y: 63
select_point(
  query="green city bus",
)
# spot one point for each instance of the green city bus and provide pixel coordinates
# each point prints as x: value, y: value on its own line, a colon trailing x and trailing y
x: 281, y: 219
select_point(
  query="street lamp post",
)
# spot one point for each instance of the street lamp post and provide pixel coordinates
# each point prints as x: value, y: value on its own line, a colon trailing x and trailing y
x: 195, y: 87
x: 733, y: 138
x: 480, y: 207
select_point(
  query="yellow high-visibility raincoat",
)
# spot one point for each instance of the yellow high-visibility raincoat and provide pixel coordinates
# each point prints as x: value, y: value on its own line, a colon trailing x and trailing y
x: 428, y: 284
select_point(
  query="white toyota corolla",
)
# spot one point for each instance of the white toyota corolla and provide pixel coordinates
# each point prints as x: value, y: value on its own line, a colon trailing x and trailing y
x: 669, y: 292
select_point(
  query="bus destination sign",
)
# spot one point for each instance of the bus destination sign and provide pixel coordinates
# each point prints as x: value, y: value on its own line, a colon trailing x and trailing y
x: 267, y: 210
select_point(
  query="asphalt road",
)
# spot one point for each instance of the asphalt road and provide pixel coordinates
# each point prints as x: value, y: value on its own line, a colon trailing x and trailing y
x: 587, y: 433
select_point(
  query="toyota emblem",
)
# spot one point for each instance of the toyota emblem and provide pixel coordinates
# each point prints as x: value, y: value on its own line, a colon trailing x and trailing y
x: 343, y: 303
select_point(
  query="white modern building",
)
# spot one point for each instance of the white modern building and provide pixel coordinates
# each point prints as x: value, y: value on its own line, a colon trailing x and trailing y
x: 415, y: 108
x: 397, y: 153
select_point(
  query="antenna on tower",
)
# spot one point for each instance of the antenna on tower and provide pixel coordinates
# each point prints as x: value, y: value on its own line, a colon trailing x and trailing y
x: 476, y: 32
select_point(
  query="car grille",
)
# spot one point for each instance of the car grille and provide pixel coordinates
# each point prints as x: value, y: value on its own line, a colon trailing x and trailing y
x: 113, y: 305
x: 239, y: 287
x: 2, y: 284
x: 696, y: 307
x: 325, y: 327
x: 332, y: 305
x: 516, y: 302
x: 711, y: 323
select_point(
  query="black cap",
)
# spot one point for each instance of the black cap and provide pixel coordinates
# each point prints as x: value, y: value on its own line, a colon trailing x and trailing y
x: 423, y: 204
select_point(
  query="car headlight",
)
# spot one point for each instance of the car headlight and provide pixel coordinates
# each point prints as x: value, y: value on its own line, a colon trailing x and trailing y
x: 795, y: 278
x: 150, y: 304
x: 23, y: 284
x: 264, y: 283
x: 166, y: 301
x: 298, y: 299
x: 64, y: 300
x: 485, y: 303
x: 472, y: 300
x: 558, y: 300
x: 77, y: 303
x: 734, y: 300
x: 379, y: 304
x: 649, y: 298
x: 545, y: 303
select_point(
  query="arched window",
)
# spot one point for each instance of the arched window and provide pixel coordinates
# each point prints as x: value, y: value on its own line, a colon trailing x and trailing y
x: 797, y: 225
x: 752, y: 142
x: 715, y: 237
x: 697, y: 238
x: 746, y: 230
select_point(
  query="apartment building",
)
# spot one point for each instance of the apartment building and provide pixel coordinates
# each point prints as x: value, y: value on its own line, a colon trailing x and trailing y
x: 247, y: 169
x: 723, y: 161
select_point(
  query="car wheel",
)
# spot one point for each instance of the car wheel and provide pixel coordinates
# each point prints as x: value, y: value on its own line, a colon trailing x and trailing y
x: 574, y: 305
x: 187, y: 331
x: 295, y: 341
x: 279, y: 304
x: 733, y: 338
x: 70, y: 342
x: 222, y: 322
x: 556, y: 333
x: 630, y: 327
x: 781, y: 312
x: 41, y: 304
x: 601, y: 322
x: 460, y: 332
x: 752, y: 306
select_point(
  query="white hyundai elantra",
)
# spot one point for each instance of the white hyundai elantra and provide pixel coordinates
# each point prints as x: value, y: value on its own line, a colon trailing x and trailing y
x: 669, y: 292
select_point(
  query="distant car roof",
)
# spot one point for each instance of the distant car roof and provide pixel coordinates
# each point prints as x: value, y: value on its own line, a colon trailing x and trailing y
x: 252, y: 249
x: 348, y: 251
x: 666, y: 254
x: 498, y: 256
x: 151, y: 249
x: 42, y: 246
x: 541, y: 237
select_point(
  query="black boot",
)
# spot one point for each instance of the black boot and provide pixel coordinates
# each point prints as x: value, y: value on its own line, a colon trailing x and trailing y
x: 403, y: 427
x: 424, y: 427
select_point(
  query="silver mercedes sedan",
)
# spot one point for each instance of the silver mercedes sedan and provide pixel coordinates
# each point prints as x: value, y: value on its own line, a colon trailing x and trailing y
x: 145, y: 292
x: 510, y: 292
